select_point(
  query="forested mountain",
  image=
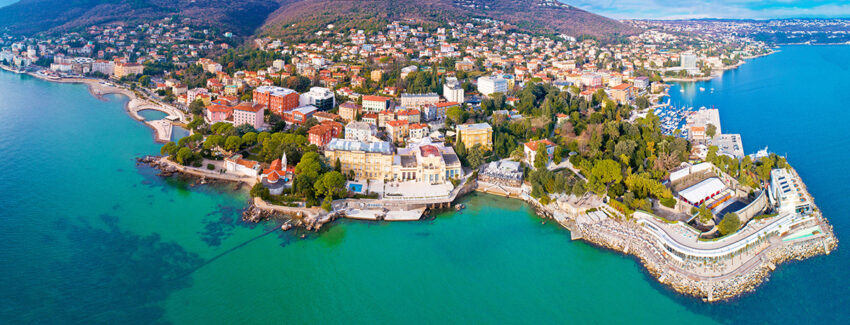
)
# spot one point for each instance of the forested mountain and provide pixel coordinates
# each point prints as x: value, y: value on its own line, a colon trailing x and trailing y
x: 299, y: 18
x: 33, y: 16
x: 302, y: 18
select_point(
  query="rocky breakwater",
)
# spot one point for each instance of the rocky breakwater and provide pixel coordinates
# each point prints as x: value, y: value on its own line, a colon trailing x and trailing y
x: 311, y: 219
x: 627, y: 237
x: 166, y: 169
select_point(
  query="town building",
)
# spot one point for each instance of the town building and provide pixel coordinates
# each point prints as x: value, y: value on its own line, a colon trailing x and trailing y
x: 349, y: 111
x: 476, y: 134
x: 384, y: 117
x: 323, y: 133
x: 248, y: 113
x: 503, y: 172
x: 409, y: 115
x: 418, y: 131
x: 241, y: 167
x: 215, y: 113
x: 397, y: 130
x: 418, y: 100
x: 362, y: 160
x: 277, y: 99
x: 452, y: 90
x: 325, y: 116
x: 125, y: 69
x: 300, y: 115
x: 321, y: 98
x: 492, y: 84
x: 711, y: 192
x: 437, y: 112
x: 360, y: 131
x: 786, y: 194
x: 277, y: 177
x: 375, y: 104
x: 530, y: 149
x: 426, y: 162
x: 103, y: 66
x: 622, y: 93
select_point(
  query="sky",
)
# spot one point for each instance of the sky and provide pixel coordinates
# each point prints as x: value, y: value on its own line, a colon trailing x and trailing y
x: 742, y: 9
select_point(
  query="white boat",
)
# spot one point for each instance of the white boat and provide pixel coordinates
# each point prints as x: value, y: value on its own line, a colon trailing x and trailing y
x: 701, y: 88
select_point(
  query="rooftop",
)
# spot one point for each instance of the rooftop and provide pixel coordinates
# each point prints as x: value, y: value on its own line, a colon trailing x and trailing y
x: 382, y: 147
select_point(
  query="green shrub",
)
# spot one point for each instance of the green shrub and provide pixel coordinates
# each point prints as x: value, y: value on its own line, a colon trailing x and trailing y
x: 668, y: 202
x: 210, y: 166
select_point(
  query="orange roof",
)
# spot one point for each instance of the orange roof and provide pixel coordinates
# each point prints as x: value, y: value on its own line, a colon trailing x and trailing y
x: 247, y: 163
x: 320, y: 129
x: 375, y: 98
x: 534, y: 144
x: 219, y: 108
x: 622, y: 87
x: 446, y: 104
x: 409, y: 112
x: 418, y: 126
x: 248, y: 107
x: 397, y: 123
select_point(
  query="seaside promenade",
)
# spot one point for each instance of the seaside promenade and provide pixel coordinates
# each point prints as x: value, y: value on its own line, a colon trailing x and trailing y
x: 137, y: 102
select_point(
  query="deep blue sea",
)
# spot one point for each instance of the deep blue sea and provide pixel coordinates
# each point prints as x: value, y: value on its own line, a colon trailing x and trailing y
x: 89, y: 237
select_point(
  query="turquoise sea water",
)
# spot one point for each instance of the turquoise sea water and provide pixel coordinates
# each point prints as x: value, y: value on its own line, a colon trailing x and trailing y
x: 89, y: 237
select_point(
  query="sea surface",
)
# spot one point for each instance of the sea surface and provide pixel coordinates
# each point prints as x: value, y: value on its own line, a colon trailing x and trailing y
x: 90, y: 237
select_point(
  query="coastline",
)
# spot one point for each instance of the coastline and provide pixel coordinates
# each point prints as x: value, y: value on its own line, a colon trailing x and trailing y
x: 631, y: 239
x: 135, y: 103
x: 717, y: 73
x: 644, y: 250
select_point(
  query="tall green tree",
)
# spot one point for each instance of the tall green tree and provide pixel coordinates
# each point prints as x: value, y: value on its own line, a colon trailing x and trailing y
x: 541, y: 157
x: 729, y: 224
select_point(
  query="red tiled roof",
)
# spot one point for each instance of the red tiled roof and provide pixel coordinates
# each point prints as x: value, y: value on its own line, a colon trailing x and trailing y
x: 219, y: 108
x: 397, y: 123
x: 375, y: 98
x: 248, y: 107
x: 247, y: 163
x: 446, y: 104
x: 622, y: 87
x: 534, y: 144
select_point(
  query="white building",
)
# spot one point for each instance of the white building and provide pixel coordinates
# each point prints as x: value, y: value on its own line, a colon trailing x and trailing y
x: 419, y: 100
x: 492, y: 84
x: 321, y: 98
x: 192, y: 94
x: 103, y: 66
x: 452, y: 90
x: 688, y: 61
x: 786, y: 193
x: 361, y: 131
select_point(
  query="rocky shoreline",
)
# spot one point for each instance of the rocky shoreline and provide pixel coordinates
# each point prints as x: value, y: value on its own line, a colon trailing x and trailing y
x: 631, y: 240
x: 622, y: 236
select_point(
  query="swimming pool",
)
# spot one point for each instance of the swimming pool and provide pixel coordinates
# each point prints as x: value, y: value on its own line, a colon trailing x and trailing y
x: 355, y: 187
x: 808, y: 232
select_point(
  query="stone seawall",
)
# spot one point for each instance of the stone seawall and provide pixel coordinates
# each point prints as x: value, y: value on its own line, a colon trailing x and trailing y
x: 628, y: 238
